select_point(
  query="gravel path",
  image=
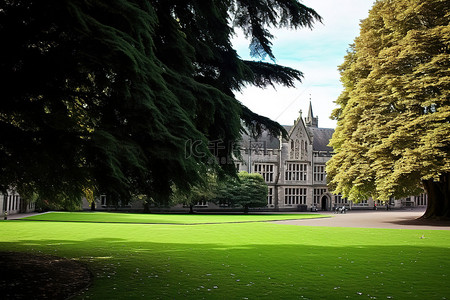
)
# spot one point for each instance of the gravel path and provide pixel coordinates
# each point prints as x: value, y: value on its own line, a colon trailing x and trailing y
x: 394, y: 219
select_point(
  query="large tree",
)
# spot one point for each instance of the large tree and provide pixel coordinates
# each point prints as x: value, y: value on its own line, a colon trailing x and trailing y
x: 393, y: 132
x: 106, y: 95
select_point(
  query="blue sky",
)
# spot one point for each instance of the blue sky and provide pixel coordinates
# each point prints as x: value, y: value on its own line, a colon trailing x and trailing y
x: 317, y: 53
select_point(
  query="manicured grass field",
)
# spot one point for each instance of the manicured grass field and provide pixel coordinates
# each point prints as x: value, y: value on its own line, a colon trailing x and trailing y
x: 258, y: 260
x: 106, y: 217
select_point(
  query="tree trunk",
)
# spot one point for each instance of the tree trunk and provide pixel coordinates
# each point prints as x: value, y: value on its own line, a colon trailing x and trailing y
x: 191, y: 209
x: 246, y: 209
x: 146, y: 208
x: 93, y: 206
x: 438, y: 198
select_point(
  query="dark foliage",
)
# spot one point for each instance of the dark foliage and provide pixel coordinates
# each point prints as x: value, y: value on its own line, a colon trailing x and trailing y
x: 107, y: 95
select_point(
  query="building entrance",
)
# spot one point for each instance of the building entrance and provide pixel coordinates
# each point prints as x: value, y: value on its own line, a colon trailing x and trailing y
x: 324, y: 203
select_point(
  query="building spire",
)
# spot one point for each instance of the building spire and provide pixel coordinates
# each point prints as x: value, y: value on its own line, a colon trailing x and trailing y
x: 310, y: 120
x: 310, y: 111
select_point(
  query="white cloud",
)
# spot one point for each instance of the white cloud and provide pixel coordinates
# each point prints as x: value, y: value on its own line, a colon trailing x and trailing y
x: 316, y: 53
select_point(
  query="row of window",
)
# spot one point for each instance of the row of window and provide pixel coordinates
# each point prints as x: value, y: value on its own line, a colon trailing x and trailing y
x: 294, y: 172
x: 298, y: 196
x: 339, y: 200
x: 294, y: 196
x: 319, y: 173
x: 318, y: 195
x: 266, y: 170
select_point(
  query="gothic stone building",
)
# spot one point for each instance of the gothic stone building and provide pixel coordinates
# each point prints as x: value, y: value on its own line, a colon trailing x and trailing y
x: 294, y: 168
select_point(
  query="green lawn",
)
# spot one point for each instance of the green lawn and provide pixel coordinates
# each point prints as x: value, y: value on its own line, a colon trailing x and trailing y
x: 106, y: 217
x: 258, y: 260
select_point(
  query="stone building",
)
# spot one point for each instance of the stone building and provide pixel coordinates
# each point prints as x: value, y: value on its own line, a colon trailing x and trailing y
x: 294, y: 168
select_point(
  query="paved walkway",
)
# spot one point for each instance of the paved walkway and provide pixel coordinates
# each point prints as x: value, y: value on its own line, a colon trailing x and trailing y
x: 396, y: 219
x: 20, y: 216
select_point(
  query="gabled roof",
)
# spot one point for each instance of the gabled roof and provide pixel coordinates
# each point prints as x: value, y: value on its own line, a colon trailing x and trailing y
x: 299, y: 125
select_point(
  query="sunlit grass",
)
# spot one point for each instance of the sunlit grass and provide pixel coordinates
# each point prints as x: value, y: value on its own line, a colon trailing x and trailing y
x: 243, y: 260
x: 106, y: 217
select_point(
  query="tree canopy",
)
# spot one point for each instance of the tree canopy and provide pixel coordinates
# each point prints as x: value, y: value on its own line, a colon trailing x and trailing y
x: 393, y: 133
x: 248, y: 190
x: 105, y: 95
x: 197, y: 194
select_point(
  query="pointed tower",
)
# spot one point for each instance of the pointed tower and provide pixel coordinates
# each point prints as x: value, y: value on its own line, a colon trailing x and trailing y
x: 310, y: 120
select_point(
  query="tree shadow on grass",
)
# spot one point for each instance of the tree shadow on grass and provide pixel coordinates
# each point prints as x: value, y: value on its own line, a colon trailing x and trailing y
x: 31, y: 276
x: 124, y: 269
x: 438, y: 224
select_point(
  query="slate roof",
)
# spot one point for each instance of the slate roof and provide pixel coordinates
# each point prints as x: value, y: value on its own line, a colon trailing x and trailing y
x: 322, y: 137
x: 270, y: 141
